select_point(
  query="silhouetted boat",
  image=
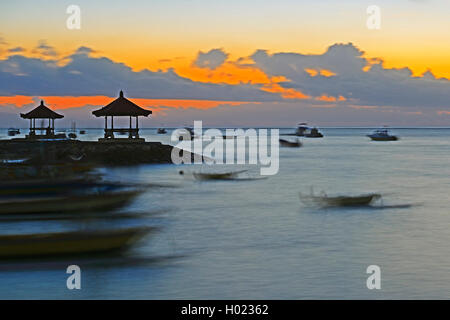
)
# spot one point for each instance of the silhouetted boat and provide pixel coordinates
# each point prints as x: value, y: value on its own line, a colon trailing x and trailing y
x: 70, y: 242
x: 339, y: 201
x: 82, y: 131
x: 382, y: 135
x: 161, y: 131
x: 290, y: 144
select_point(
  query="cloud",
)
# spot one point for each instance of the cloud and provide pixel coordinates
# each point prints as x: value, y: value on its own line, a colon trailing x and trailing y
x: 340, y: 76
x: 211, y: 59
x: 84, y: 50
x: 85, y: 75
x: 44, y: 49
x: 16, y: 50
x: 358, y: 80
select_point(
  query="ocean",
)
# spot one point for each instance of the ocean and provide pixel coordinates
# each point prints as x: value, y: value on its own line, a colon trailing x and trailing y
x: 255, y: 239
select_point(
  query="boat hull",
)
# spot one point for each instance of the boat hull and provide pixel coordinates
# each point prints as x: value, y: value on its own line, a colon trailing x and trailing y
x: 73, y: 242
x: 217, y: 176
x: 389, y: 138
x: 83, y: 203
x: 341, y: 201
x: 290, y: 144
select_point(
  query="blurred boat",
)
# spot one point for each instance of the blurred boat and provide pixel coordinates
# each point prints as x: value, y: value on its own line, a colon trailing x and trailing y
x: 70, y: 242
x: 161, y: 131
x: 68, y: 203
x: 26, y: 169
x: 217, y: 176
x: 382, y: 135
x: 290, y: 144
x: 58, y: 187
x: 13, y: 131
x: 82, y: 131
x: 72, y: 134
x: 339, y: 201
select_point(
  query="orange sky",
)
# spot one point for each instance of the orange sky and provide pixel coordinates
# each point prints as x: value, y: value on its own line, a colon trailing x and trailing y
x: 158, y: 35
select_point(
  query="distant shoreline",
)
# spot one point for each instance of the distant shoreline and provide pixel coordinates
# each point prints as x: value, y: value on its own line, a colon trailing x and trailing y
x: 173, y: 128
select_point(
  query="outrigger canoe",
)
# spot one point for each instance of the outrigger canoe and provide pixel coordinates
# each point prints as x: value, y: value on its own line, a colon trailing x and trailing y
x: 340, y: 201
x: 70, y: 203
x: 71, y: 242
x: 217, y: 176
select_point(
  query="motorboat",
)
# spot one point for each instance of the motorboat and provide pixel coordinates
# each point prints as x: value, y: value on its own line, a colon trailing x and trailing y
x: 382, y: 135
x: 290, y: 144
x: 314, y: 133
x: 70, y: 242
x: 161, y: 131
x: 304, y: 131
x: 301, y: 129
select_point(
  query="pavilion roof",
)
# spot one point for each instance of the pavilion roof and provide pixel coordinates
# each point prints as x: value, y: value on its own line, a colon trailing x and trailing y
x: 41, y: 112
x: 121, y: 107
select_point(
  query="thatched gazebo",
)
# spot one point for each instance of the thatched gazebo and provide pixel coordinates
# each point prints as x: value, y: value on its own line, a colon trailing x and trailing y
x: 41, y: 112
x: 121, y: 107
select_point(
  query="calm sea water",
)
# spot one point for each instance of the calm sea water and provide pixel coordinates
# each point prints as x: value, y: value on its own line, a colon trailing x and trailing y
x: 256, y: 240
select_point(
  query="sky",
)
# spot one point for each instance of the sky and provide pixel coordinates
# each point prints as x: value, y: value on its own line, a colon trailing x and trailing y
x: 231, y: 63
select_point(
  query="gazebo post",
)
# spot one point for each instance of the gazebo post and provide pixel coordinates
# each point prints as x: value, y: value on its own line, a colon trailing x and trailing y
x: 137, y: 127
x: 130, y: 133
x: 106, y: 127
x: 112, y: 126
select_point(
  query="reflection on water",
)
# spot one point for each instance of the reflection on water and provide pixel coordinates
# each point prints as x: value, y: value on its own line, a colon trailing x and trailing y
x: 255, y: 239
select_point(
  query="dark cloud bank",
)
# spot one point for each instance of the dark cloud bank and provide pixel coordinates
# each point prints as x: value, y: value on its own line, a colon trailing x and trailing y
x: 377, y: 86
